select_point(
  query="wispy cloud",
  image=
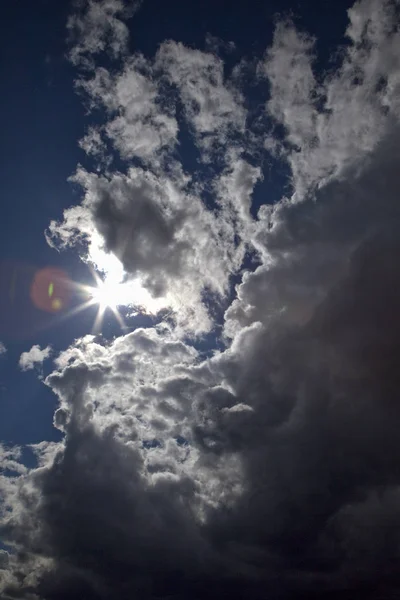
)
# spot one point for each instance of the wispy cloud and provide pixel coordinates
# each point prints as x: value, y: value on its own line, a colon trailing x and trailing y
x: 97, y: 26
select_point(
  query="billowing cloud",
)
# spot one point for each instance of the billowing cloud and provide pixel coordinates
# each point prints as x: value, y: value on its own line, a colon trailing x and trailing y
x: 155, y: 217
x: 213, y: 107
x: 269, y: 468
x: 34, y: 357
x: 325, y: 131
x: 3, y: 348
x: 160, y: 232
x: 139, y: 125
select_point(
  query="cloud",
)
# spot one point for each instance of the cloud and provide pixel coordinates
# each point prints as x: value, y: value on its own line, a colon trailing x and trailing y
x: 34, y: 357
x: 161, y: 233
x: 97, y: 26
x: 325, y: 131
x: 154, y: 217
x: 213, y: 107
x: 3, y: 349
x: 269, y: 468
x: 139, y: 125
x: 9, y: 460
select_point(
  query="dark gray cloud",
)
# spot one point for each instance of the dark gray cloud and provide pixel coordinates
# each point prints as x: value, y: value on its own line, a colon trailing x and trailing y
x: 270, y: 468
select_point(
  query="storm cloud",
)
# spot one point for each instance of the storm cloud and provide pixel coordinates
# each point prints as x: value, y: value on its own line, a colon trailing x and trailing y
x: 271, y: 467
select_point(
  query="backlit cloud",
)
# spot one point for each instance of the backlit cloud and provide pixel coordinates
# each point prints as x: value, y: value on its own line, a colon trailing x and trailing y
x: 267, y: 465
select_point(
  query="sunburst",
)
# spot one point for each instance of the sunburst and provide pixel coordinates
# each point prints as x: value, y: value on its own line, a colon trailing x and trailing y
x: 107, y: 294
x: 111, y: 293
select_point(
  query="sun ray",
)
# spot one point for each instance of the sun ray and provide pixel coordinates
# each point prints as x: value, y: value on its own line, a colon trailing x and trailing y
x: 98, y: 320
x: 109, y: 293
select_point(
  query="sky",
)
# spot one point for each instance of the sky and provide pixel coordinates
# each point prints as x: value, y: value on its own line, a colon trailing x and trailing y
x: 199, y: 330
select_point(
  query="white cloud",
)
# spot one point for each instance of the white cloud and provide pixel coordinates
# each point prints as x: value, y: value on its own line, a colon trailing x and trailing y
x: 213, y: 107
x: 10, y: 460
x: 235, y: 189
x: 3, y: 349
x: 98, y: 26
x: 332, y: 125
x: 34, y: 357
x: 138, y: 124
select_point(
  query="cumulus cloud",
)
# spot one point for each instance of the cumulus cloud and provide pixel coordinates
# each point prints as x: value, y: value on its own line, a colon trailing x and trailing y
x: 34, y: 357
x: 269, y: 468
x: 98, y: 26
x: 139, y: 125
x: 155, y: 217
x: 325, y: 131
x: 3, y: 349
x: 161, y: 233
x: 213, y: 107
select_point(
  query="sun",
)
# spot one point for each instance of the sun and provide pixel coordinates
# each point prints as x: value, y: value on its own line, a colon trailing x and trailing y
x: 107, y: 295
x: 114, y: 292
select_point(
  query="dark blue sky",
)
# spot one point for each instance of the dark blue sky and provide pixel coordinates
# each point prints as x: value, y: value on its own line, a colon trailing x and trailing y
x: 42, y: 120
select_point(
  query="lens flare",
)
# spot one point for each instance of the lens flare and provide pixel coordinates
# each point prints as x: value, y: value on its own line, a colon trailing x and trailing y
x: 51, y: 290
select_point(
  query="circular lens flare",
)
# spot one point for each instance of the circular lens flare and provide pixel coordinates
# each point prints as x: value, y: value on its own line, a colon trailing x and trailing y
x: 51, y: 290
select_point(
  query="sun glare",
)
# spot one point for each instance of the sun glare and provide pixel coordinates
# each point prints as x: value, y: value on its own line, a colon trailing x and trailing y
x: 107, y: 295
x: 111, y: 294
